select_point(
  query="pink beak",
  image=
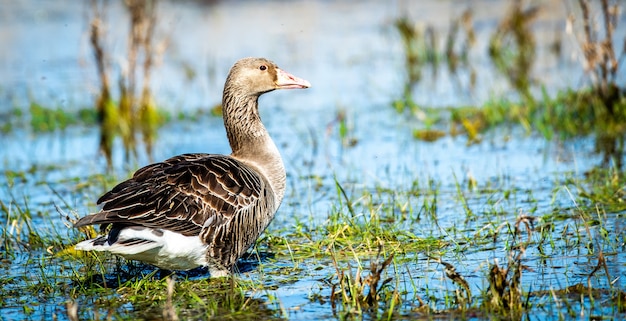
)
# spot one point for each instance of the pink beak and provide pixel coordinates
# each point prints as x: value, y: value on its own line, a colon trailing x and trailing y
x: 286, y: 80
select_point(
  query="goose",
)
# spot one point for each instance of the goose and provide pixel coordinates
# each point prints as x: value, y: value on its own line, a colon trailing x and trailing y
x: 207, y: 210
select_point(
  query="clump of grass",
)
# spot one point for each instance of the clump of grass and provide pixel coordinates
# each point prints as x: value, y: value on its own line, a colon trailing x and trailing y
x: 358, y: 293
x: 365, y: 221
x: 470, y: 121
x: 414, y: 49
x: 458, y: 46
x: 428, y: 135
x: 512, y: 48
x: 7, y: 122
x: 601, y: 60
x: 421, y: 49
x: 19, y: 233
x: 359, y: 224
x: 132, y: 110
x: 162, y: 295
x: 344, y: 129
x: 603, y: 63
x: 196, y: 298
x: 504, y: 295
x: 603, y: 188
x: 463, y: 293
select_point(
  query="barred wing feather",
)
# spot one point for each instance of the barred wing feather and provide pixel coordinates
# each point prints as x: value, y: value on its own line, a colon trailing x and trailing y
x: 181, y: 194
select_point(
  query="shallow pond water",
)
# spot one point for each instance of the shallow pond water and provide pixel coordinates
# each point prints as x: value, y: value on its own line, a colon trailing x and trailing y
x: 352, y: 55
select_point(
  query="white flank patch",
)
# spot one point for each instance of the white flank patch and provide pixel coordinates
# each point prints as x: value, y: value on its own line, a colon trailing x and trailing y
x: 170, y: 251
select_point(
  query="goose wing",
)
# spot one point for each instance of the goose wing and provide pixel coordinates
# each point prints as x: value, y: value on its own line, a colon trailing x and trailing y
x: 182, y: 194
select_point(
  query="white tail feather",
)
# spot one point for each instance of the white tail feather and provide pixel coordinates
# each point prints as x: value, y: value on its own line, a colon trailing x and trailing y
x: 162, y: 248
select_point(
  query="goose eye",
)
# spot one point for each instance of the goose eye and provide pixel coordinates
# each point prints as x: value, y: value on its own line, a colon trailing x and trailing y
x: 263, y: 67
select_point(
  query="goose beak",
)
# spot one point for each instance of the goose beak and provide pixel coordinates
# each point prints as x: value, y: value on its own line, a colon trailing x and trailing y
x: 285, y: 80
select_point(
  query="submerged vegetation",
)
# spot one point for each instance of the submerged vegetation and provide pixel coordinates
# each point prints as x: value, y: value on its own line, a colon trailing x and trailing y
x: 413, y: 248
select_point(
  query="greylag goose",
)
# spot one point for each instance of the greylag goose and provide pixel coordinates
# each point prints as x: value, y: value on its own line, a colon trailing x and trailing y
x: 202, y: 209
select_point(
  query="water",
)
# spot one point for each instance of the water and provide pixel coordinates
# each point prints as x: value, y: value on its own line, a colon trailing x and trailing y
x: 354, y: 59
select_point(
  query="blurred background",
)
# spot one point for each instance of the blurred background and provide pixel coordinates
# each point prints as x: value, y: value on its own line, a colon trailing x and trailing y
x: 170, y: 58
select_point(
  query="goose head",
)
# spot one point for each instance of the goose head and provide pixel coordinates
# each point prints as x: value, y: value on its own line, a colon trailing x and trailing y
x: 256, y: 76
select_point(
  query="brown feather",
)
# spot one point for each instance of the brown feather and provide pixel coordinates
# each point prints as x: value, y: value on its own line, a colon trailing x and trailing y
x: 180, y: 194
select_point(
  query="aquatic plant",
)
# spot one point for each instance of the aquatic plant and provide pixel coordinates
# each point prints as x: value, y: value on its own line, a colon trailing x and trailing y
x: 504, y: 294
x: 601, y: 61
x: 421, y: 49
x: 512, y: 48
x: 360, y: 293
x: 133, y: 111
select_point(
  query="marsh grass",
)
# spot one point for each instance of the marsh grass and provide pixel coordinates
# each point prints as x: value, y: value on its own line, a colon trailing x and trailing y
x: 368, y: 258
x: 428, y: 249
x: 369, y: 230
x: 361, y: 291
